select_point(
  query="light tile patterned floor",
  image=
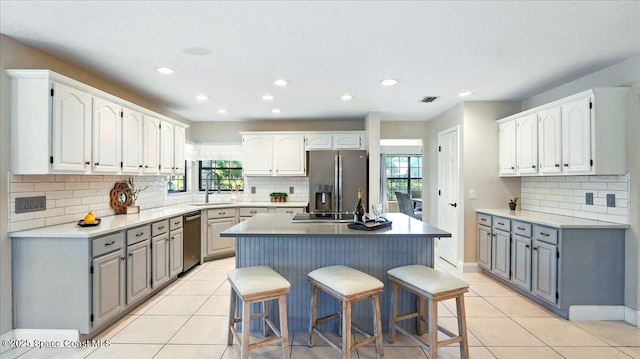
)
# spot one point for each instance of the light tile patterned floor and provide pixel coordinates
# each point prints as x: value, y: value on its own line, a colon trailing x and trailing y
x: 188, y: 320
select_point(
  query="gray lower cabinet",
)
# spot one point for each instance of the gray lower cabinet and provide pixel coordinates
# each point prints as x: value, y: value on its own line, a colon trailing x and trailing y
x: 175, y: 252
x: 521, y: 262
x: 219, y: 220
x: 556, y: 267
x: 159, y: 253
x: 138, y: 264
x: 109, y: 286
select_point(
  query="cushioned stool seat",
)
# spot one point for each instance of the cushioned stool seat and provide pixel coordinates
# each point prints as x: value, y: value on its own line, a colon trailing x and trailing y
x: 348, y: 285
x: 432, y: 286
x: 258, y: 285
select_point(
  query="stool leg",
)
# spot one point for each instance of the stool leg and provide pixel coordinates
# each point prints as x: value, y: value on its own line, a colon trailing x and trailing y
x: 462, y: 326
x: 232, y: 316
x: 394, y: 312
x: 314, y: 314
x: 246, y: 329
x: 421, y: 323
x: 346, y: 329
x: 284, y: 329
x: 433, y: 329
x: 265, y: 311
x: 377, y: 326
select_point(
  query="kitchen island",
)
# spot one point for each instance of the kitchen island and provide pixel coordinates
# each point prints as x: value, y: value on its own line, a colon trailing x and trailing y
x: 295, y: 249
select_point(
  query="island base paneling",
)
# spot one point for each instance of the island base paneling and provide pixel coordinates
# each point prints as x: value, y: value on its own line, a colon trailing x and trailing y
x: 295, y: 257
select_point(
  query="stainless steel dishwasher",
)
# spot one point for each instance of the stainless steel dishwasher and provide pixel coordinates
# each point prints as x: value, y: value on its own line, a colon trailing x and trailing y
x: 191, y: 242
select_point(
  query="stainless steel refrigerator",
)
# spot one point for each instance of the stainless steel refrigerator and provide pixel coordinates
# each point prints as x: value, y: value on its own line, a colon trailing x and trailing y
x: 334, y: 179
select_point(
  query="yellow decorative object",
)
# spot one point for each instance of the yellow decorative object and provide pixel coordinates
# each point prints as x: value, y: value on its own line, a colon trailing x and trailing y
x: 90, y: 218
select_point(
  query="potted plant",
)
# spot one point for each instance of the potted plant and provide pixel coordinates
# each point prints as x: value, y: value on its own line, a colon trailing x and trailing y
x: 133, y: 192
x: 278, y: 196
x: 513, y: 203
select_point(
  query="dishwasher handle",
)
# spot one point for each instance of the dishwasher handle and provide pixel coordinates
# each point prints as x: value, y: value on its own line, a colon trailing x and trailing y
x: 192, y: 218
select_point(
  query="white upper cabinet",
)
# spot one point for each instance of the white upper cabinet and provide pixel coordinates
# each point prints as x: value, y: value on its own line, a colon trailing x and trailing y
x: 583, y: 134
x: 178, y: 150
x: 71, y: 127
x: 280, y: 154
x: 549, y: 141
x: 60, y: 125
x: 107, y: 136
x: 132, y: 124
x: 527, y: 144
x: 507, y: 151
x: 576, y: 136
x: 335, y: 141
x: 151, y: 145
x: 166, y: 148
x: 288, y: 155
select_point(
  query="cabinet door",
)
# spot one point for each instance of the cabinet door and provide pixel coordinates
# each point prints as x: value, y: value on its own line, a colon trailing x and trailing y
x: 576, y: 137
x: 527, y: 144
x: 178, y: 149
x: 159, y: 259
x: 109, y: 286
x: 501, y: 254
x: 71, y: 128
x: 319, y: 142
x: 215, y: 243
x: 138, y: 271
x: 484, y: 247
x: 544, y: 271
x: 257, y: 155
x: 521, y: 262
x: 166, y: 148
x: 507, y: 151
x: 175, y: 252
x: 288, y: 155
x: 132, y: 141
x: 107, y: 136
x: 151, y: 145
x: 348, y: 141
x: 549, y: 141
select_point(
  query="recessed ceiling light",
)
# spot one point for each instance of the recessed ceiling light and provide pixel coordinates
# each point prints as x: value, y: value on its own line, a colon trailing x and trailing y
x: 281, y: 82
x: 276, y: 110
x: 267, y: 97
x: 202, y: 97
x: 164, y: 70
x: 222, y: 110
x: 388, y: 82
x: 465, y: 93
x: 346, y: 97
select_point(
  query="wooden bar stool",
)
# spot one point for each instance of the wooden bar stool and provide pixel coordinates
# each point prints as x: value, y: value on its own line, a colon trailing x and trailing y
x: 258, y: 285
x: 348, y: 286
x: 432, y: 286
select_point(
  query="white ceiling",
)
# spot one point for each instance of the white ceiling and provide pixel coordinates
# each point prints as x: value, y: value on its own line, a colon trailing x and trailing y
x: 500, y: 50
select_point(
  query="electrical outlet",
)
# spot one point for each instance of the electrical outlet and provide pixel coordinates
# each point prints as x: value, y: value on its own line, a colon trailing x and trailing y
x: 290, y: 190
x: 253, y: 190
x: 611, y: 200
x: 589, y: 198
x: 31, y: 204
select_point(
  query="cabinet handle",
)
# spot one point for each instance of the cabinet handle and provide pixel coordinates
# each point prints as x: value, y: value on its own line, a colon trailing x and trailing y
x: 526, y: 246
x: 533, y: 166
x: 557, y: 165
x: 500, y: 223
x: 139, y: 234
x: 110, y: 243
x: 130, y: 254
x: 87, y: 163
x: 483, y: 219
x: 521, y: 228
x: 566, y: 165
x: 97, y: 163
x: 544, y: 234
x: 140, y: 166
x: 254, y: 212
x: 535, y: 248
x: 221, y: 213
x: 122, y: 258
x: 289, y: 211
x: 146, y: 166
x: 513, y: 168
x: 161, y: 227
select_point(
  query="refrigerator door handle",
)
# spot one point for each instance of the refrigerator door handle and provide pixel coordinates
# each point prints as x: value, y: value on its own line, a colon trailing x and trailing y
x: 340, y: 209
x: 336, y: 185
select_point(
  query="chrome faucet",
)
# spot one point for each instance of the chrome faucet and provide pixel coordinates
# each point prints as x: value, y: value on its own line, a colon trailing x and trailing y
x: 206, y: 189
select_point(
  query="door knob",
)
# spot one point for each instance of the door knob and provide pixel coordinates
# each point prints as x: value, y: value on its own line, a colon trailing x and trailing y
x: 453, y: 204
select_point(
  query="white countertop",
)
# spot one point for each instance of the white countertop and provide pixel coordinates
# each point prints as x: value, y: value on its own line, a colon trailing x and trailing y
x: 552, y: 220
x: 123, y: 221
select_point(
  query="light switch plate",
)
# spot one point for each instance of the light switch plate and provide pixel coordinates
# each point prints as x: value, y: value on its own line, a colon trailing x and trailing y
x: 253, y: 190
x: 472, y: 193
x: 589, y: 198
x: 290, y: 190
x: 611, y: 200
x: 30, y: 204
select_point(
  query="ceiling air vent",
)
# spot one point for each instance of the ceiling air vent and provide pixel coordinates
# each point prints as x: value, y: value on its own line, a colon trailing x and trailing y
x: 428, y: 99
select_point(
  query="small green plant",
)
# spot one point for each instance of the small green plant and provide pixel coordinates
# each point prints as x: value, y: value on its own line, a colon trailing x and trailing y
x: 513, y: 200
x: 134, y: 191
x: 278, y: 196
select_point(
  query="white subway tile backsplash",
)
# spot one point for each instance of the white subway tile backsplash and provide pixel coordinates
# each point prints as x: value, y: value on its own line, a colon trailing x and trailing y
x: 52, y: 221
x: 24, y: 225
x: 68, y: 202
x: 38, y: 178
x: 59, y: 194
x: 566, y: 195
x: 48, y: 186
x: 76, y: 185
x: 82, y: 209
x: 21, y: 187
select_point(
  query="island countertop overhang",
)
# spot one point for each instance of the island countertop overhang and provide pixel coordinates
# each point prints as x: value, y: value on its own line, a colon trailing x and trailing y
x: 281, y: 225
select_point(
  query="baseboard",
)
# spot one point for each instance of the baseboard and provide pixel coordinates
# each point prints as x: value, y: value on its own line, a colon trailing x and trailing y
x: 58, y: 335
x: 5, y: 338
x: 631, y: 316
x: 598, y: 312
x: 469, y: 267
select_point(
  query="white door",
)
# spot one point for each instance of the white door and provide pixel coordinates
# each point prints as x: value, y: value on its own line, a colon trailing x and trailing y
x: 576, y: 137
x: 257, y: 154
x: 549, y: 141
x: 166, y: 148
x: 71, y: 130
x: 178, y: 149
x: 106, y: 136
x: 527, y: 142
x: 151, y: 143
x: 507, y: 152
x: 132, y: 140
x: 289, y: 155
x: 448, y: 201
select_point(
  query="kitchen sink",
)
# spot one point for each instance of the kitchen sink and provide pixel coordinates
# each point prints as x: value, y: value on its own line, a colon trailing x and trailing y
x: 210, y: 204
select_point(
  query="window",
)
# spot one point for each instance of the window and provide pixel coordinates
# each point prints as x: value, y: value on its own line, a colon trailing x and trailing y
x: 404, y: 174
x: 178, y: 183
x: 220, y: 175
